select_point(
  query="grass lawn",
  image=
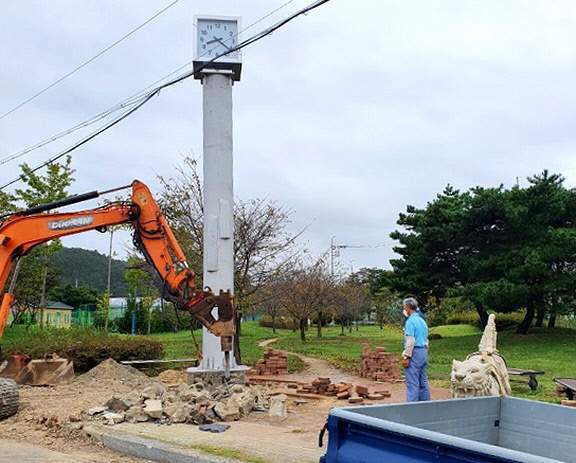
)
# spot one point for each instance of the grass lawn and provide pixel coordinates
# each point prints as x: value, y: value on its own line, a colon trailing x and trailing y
x: 551, y: 351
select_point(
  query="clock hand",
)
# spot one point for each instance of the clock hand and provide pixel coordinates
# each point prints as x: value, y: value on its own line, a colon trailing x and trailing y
x: 216, y: 39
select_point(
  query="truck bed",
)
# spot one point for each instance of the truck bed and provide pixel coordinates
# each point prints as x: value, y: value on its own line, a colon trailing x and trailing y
x: 481, y: 429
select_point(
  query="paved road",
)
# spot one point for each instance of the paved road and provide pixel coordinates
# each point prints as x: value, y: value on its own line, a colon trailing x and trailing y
x: 19, y: 452
x: 29, y: 453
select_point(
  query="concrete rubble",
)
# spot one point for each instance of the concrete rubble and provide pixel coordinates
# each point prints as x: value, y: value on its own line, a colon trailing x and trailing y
x: 184, y: 403
x: 210, y: 401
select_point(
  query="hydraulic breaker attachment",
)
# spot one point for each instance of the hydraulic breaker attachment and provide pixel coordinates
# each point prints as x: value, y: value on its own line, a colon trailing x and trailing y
x: 223, y: 326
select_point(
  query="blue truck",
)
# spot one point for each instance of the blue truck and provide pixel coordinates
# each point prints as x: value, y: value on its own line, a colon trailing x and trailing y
x: 479, y: 429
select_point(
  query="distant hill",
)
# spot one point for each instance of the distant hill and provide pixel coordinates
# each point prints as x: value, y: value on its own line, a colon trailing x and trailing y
x: 90, y: 268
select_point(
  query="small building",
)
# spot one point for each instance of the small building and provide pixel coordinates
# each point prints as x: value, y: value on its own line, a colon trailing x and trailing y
x: 57, y: 314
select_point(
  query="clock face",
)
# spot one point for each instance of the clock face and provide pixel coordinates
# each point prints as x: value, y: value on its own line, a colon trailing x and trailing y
x: 215, y: 37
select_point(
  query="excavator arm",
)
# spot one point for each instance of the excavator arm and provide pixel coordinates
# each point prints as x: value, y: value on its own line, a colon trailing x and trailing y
x: 22, y: 231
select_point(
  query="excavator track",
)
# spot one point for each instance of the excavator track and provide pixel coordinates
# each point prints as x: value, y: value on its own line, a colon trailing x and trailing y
x: 8, y: 398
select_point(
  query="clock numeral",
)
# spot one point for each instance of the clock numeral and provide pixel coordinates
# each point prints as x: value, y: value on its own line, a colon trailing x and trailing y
x: 204, y: 32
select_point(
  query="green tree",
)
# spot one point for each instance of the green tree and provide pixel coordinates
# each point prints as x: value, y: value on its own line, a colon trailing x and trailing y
x: 141, y: 288
x: 74, y: 296
x: 84, y: 267
x: 503, y: 250
x: 40, y: 189
x: 305, y: 291
x: 431, y: 247
x: 262, y: 244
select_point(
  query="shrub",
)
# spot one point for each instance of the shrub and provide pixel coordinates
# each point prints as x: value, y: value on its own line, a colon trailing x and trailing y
x: 282, y: 323
x: 85, y: 347
x: 439, y: 311
x: 504, y: 321
x: 463, y: 318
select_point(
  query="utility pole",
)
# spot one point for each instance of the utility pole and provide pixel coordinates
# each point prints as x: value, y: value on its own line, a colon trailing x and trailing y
x: 334, y: 248
x: 109, y: 280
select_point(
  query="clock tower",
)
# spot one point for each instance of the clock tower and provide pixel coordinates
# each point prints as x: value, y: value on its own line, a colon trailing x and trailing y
x: 216, y: 38
x: 218, y: 65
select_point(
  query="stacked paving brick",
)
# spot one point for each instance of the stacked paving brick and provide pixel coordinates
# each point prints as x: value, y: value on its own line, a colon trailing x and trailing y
x: 343, y: 391
x: 379, y: 365
x: 273, y: 363
x: 321, y: 386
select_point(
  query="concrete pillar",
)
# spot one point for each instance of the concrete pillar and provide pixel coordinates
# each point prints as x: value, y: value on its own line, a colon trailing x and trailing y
x: 218, y: 199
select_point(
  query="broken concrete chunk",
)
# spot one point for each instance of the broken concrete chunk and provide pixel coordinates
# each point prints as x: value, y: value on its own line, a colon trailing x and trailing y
x: 132, y: 398
x: 178, y: 412
x: 115, y: 404
x: 113, y: 418
x: 238, y: 389
x: 169, y: 397
x: 154, y: 391
x: 226, y: 411
x: 244, y: 401
x: 278, y: 410
x: 136, y: 414
x: 97, y: 410
x: 153, y: 408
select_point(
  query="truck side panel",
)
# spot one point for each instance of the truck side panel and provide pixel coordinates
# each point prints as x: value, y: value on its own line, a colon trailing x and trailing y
x: 483, y: 429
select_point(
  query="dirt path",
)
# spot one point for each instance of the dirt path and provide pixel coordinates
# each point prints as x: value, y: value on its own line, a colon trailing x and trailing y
x: 316, y: 368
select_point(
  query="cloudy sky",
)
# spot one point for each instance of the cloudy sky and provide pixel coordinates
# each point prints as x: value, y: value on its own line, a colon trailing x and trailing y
x: 345, y: 115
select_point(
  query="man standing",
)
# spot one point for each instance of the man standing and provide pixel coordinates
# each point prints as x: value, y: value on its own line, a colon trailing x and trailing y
x: 415, y: 354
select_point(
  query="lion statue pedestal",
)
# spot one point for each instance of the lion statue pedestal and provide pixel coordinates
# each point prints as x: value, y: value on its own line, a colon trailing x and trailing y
x: 483, y: 373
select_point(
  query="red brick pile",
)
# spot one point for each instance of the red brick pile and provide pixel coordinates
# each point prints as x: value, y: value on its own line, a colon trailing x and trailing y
x: 379, y: 365
x: 321, y: 386
x: 343, y: 391
x: 273, y: 363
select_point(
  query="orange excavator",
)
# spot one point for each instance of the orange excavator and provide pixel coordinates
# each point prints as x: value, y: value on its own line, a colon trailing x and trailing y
x: 152, y: 236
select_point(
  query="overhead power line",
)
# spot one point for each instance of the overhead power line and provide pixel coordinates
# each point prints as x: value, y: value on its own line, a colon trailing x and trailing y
x: 138, y: 102
x: 127, y: 102
x: 87, y: 62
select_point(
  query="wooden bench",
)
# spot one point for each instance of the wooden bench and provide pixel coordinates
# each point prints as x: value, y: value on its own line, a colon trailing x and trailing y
x: 569, y: 385
x: 532, y: 382
x: 160, y: 364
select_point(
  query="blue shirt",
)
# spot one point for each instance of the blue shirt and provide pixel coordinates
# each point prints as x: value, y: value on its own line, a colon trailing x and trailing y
x: 416, y: 327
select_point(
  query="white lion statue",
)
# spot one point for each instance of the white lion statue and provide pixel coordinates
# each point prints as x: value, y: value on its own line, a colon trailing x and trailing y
x: 484, y: 372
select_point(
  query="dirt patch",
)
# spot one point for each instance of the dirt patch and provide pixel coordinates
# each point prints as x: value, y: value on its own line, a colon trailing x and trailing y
x: 52, y: 416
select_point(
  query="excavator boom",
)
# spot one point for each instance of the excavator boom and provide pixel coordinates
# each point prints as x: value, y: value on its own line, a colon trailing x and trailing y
x: 22, y: 231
